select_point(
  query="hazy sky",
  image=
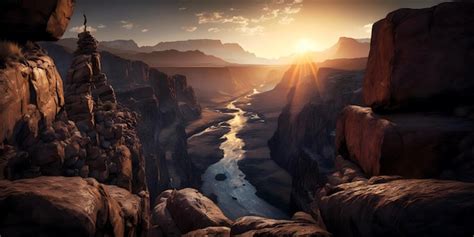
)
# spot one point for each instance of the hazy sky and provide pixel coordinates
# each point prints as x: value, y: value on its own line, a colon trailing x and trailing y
x: 268, y: 28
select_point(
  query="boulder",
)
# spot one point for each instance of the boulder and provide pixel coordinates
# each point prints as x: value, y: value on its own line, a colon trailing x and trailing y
x: 135, y: 210
x: 181, y: 211
x: 302, y: 224
x: 400, y: 207
x: 58, y: 206
x: 191, y: 211
x: 27, y: 20
x: 218, y: 231
x: 410, y: 145
x: 421, y: 58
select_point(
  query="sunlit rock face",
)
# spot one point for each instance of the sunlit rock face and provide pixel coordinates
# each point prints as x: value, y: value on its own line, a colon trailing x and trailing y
x: 62, y: 206
x: 408, y: 133
x: 303, y: 143
x: 27, y: 20
x: 421, y: 59
x: 390, y: 206
x: 411, y: 145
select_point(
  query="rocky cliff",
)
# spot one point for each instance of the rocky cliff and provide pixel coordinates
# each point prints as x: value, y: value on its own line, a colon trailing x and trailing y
x: 164, y: 103
x: 405, y: 162
x: 73, y: 128
x: 303, y: 143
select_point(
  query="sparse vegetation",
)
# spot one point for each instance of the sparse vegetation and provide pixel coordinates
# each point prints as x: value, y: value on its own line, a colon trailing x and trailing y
x: 9, y: 51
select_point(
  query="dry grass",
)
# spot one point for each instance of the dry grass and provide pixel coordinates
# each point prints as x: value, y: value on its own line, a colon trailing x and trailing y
x: 9, y: 50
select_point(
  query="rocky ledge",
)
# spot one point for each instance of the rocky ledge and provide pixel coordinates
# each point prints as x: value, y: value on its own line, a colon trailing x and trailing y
x: 188, y: 213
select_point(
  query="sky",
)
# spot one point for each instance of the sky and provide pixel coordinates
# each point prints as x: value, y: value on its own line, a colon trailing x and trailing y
x: 268, y: 28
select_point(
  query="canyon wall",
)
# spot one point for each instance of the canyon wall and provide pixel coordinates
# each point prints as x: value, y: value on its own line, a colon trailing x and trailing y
x: 164, y: 104
x: 81, y: 129
x: 303, y: 143
x: 405, y: 161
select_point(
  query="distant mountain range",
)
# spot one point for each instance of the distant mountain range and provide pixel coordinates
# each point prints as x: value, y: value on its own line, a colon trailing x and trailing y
x: 206, y: 52
x: 345, y: 48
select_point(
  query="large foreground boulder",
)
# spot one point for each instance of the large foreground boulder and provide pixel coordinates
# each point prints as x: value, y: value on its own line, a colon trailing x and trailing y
x: 421, y: 57
x: 411, y: 145
x: 179, y: 212
x: 387, y: 207
x: 301, y: 224
x: 58, y: 206
x: 24, y: 20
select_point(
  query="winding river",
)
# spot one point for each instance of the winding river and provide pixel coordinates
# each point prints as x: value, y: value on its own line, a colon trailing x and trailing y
x: 235, y: 195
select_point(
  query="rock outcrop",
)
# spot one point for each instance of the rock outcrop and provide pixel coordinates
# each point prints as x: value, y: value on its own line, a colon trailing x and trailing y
x: 436, y: 140
x: 386, y: 206
x: 411, y: 145
x: 27, y: 20
x: 179, y: 212
x: 421, y: 59
x: 58, y: 206
x: 82, y: 132
x: 420, y: 126
x: 301, y: 224
x: 164, y: 104
x: 303, y: 143
x: 188, y: 213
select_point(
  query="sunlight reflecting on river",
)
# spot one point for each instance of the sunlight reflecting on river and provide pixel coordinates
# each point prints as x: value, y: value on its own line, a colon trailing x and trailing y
x: 236, y: 196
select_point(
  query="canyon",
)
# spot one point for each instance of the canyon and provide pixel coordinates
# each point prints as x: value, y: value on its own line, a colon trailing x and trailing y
x: 97, y: 142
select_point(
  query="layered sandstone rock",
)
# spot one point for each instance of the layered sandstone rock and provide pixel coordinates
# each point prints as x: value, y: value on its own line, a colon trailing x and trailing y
x: 411, y: 145
x: 301, y: 224
x: 32, y: 94
x: 393, y: 207
x: 58, y: 206
x: 421, y: 58
x: 27, y: 20
x: 179, y: 212
x: 420, y: 126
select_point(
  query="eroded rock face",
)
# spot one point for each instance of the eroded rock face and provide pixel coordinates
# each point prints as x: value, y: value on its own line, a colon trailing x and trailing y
x: 135, y: 210
x: 301, y: 225
x: 179, y: 212
x: 32, y: 94
x: 58, y: 206
x: 303, y: 143
x: 397, y: 207
x: 410, y: 145
x: 27, y: 20
x: 421, y: 58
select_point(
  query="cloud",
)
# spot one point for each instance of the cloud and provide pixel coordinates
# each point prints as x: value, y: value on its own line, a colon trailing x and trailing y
x: 145, y: 30
x: 268, y: 15
x: 214, y: 30
x: 256, y: 30
x: 298, y: 1
x: 368, y: 28
x: 127, y: 24
x: 286, y: 20
x: 292, y: 10
x: 101, y: 26
x: 182, y: 9
x: 189, y: 28
x: 79, y: 29
x: 209, y: 17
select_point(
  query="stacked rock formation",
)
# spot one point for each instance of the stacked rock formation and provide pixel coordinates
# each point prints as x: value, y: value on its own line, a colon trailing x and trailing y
x: 421, y: 120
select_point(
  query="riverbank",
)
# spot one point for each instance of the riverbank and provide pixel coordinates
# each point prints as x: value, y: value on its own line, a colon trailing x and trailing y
x: 272, y: 182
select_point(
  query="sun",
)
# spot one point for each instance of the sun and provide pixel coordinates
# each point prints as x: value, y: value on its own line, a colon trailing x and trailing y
x: 304, y: 46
